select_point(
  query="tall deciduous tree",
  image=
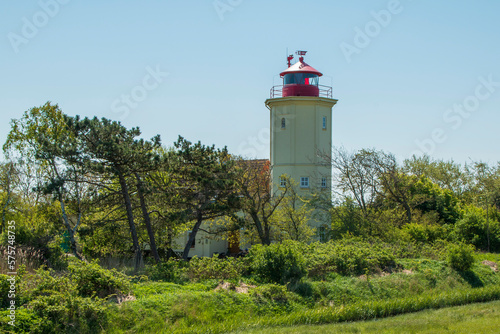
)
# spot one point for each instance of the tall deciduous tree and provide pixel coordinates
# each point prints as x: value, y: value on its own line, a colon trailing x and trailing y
x: 41, y: 138
x: 293, y: 217
x: 258, y: 201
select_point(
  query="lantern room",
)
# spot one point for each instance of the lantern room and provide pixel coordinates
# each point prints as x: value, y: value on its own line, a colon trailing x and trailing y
x: 300, y: 79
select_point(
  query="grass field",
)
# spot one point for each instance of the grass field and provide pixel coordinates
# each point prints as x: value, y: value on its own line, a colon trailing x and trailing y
x: 474, y: 318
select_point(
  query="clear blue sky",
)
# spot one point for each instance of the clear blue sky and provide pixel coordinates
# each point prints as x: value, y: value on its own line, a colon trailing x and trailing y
x: 398, y: 87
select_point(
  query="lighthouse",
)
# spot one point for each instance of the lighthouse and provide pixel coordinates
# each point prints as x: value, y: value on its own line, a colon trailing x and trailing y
x: 301, y: 128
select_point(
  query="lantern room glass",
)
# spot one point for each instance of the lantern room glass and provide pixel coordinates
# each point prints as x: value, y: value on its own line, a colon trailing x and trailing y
x: 301, y: 79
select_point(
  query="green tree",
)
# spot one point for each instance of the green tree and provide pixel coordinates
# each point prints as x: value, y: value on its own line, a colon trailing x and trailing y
x: 258, y: 200
x: 203, y: 185
x: 113, y: 151
x: 293, y: 217
x: 447, y: 175
x: 429, y: 197
x: 8, y: 176
x: 41, y: 138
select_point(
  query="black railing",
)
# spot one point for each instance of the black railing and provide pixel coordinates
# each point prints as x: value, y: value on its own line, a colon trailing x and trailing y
x: 324, y: 91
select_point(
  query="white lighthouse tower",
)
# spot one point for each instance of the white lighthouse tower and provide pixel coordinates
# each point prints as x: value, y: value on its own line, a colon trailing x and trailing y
x: 301, y: 127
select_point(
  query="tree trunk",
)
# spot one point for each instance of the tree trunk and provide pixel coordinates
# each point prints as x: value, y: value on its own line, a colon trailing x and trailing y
x: 408, y: 211
x: 130, y: 218
x: 147, y: 219
x: 71, y: 231
x: 264, y: 237
x: 192, y: 237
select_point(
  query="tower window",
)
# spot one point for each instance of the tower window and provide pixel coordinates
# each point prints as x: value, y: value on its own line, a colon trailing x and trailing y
x: 323, y: 182
x: 324, y: 123
x: 304, y: 182
x: 283, y: 123
x: 282, y: 181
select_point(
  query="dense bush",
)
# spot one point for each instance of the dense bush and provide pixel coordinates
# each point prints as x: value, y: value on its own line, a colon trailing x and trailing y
x: 473, y: 228
x: 4, y: 291
x: 425, y: 232
x: 91, y: 280
x: 65, y: 312
x: 47, y: 303
x: 213, y: 268
x: 198, y: 268
x: 278, y: 263
x: 169, y: 271
x: 460, y: 256
x: 270, y: 292
x: 348, y: 257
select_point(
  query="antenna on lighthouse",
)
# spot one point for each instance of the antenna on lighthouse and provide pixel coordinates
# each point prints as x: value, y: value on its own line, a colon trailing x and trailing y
x: 289, y: 58
x: 301, y: 54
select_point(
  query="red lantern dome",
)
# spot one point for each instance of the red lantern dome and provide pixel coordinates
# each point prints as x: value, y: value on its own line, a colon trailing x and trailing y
x: 300, y: 79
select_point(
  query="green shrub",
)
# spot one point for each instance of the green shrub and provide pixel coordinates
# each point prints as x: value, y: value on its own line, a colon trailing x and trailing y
x: 351, y: 256
x: 169, y: 271
x: 460, y: 257
x: 67, y: 313
x: 278, y: 263
x: 26, y: 322
x: 213, y: 268
x: 473, y: 228
x: 91, y: 280
x: 425, y: 232
x: 270, y: 292
x: 4, y: 291
x: 49, y: 303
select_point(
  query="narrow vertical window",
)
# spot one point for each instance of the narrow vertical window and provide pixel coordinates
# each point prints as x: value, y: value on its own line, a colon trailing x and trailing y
x: 324, y: 123
x: 283, y: 123
x: 304, y: 182
x: 282, y: 181
x: 323, y: 182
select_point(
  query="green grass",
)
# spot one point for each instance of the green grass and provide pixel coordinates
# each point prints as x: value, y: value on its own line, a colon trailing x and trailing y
x: 197, y: 308
x: 474, y: 318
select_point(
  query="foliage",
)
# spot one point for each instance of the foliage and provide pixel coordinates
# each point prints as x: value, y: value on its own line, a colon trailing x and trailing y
x: 259, y: 200
x: 93, y: 281
x: 203, y: 185
x: 4, y: 291
x: 169, y: 271
x: 278, y: 263
x: 47, y: 303
x: 348, y: 257
x: 201, y: 268
x: 429, y: 197
x: 475, y: 228
x: 292, y: 217
x: 460, y: 256
x: 426, y: 233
